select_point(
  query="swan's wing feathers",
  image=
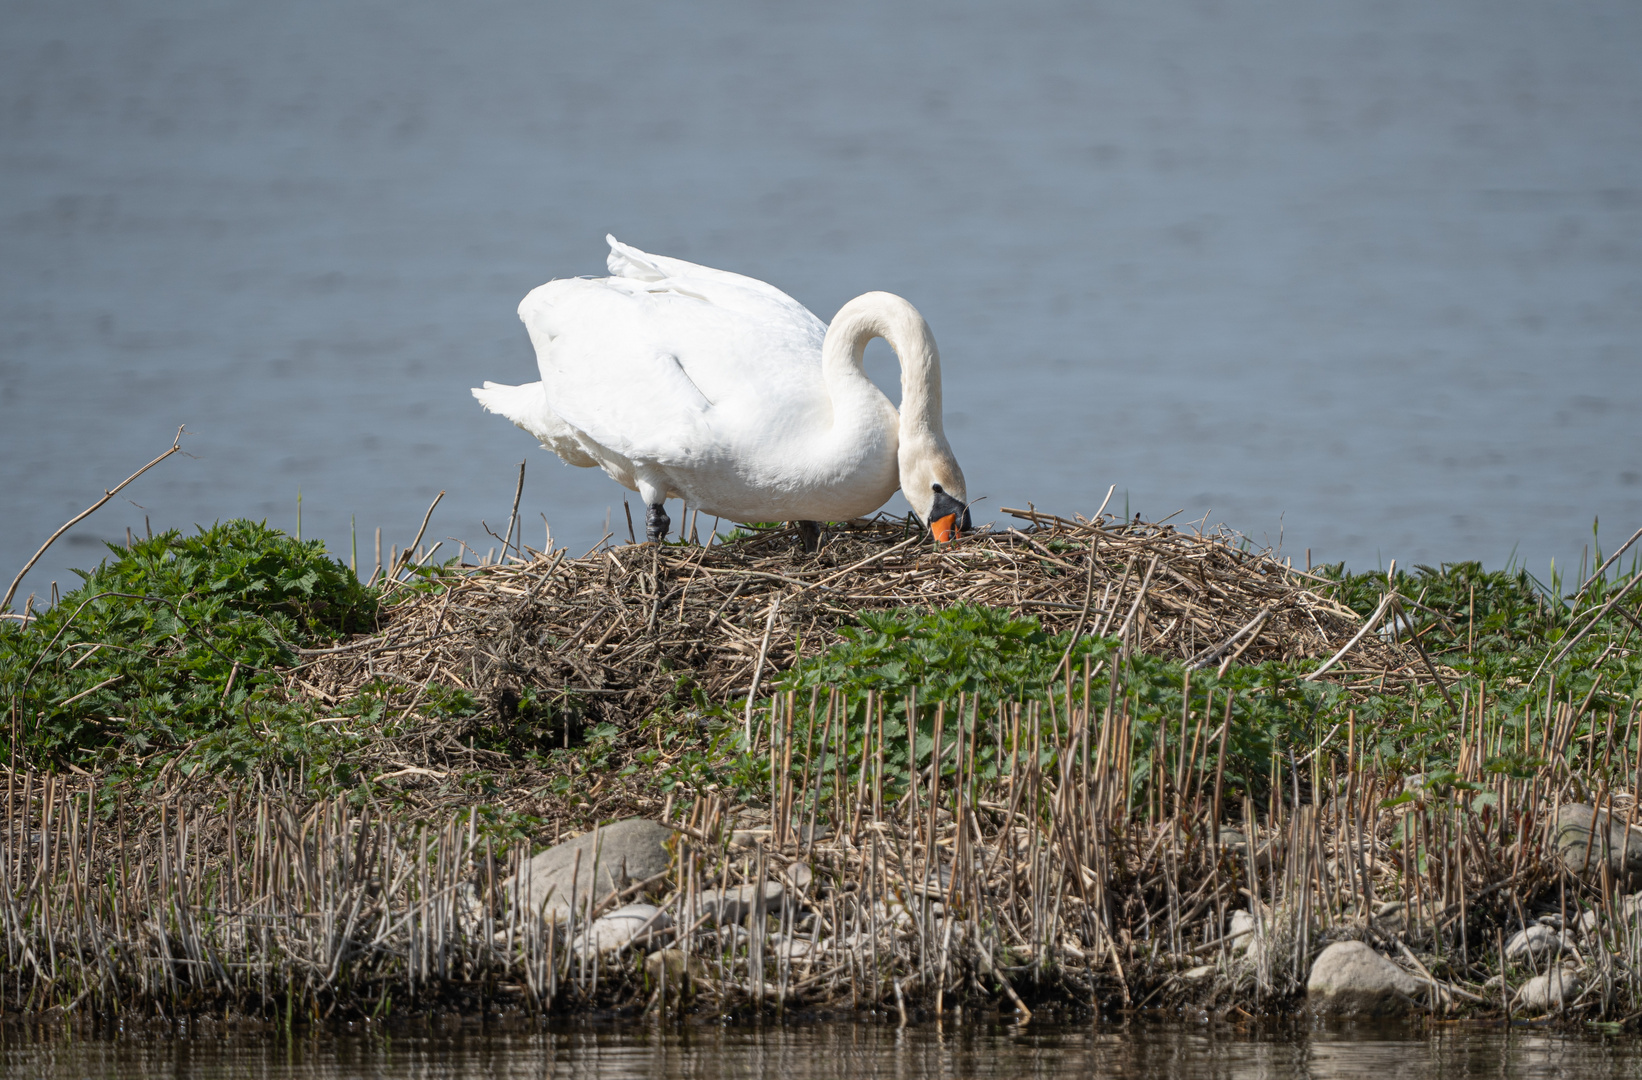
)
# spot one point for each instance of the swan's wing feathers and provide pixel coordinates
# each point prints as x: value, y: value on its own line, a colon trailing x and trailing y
x: 734, y: 292
x: 614, y: 372
x: 642, y: 405
x: 626, y: 261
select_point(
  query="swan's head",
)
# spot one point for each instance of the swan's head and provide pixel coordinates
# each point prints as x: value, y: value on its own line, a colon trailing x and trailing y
x: 934, y: 485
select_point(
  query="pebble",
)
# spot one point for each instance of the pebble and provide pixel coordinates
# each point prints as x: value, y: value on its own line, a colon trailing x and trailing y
x: 622, y: 926
x: 1537, y: 942
x: 1551, y: 991
x: 1351, y: 979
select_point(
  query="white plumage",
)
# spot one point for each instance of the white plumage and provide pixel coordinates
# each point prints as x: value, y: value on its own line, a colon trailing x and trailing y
x: 682, y: 381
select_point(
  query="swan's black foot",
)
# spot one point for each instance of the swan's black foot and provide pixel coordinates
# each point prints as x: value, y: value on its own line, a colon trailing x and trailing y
x: 809, y: 535
x: 656, y: 523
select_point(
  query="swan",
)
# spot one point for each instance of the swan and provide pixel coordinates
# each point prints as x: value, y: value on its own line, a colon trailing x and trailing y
x: 681, y: 381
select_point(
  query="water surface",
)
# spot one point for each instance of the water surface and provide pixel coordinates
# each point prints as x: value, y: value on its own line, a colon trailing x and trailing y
x: 1366, y: 277
x: 823, y: 1052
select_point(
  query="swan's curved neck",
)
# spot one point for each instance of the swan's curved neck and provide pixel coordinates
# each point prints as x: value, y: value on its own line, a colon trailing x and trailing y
x: 885, y: 315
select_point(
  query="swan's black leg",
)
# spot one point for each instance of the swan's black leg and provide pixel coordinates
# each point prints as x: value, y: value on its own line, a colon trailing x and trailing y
x: 656, y: 523
x: 809, y: 535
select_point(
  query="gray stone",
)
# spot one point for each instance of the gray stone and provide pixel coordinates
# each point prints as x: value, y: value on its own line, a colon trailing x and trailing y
x: 1236, y: 843
x: 1391, y: 917
x: 1202, y: 973
x: 622, y: 926
x: 1537, y: 942
x: 795, y: 948
x: 728, y: 906
x: 1586, y: 841
x: 745, y: 839
x: 1551, y: 991
x: 674, y: 965
x: 628, y: 851
x: 1351, y: 979
x: 799, y: 875
x: 1244, y: 932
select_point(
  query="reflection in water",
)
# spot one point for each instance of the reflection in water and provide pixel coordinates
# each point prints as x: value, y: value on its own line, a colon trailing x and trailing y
x: 636, y: 1049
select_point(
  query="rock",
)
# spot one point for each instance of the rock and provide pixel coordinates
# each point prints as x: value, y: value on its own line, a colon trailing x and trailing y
x: 622, y: 926
x: 628, y: 851
x: 676, y: 964
x: 1537, y: 942
x: 745, y: 839
x: 679, y: 968
x: 1234, y: 842
x: 1351, y: 979
x: 1391, y: 917
x: 1551, y: 991
x: 727, y: 906
x: 1198, y: 975
x: 1586, y: 841
x: 895, y: 916
x: 1243, y: 932
x: 799, y: 875
x: 794, y: 948
x: 470, y: 910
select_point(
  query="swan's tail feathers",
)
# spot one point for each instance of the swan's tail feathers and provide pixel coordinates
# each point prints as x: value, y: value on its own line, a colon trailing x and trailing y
x: 527, y: 407
x: 627, y: 261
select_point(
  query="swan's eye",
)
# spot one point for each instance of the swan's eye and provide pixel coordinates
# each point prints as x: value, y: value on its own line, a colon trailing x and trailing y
x: 936, y: 488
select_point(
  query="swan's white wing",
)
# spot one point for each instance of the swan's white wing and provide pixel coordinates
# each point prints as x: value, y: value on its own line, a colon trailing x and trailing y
x: 673, y: 371
x: 612, y: 374
x: 756, y: 300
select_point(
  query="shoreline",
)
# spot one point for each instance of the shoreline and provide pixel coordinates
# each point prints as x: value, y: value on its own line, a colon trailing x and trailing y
x: 278, y: 909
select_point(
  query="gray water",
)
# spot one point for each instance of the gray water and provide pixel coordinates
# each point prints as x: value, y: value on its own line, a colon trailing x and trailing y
x: 1365, y: 278
x: 822, y: 1052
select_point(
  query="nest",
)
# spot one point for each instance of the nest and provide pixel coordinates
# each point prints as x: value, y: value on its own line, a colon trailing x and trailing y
x: 618, y: 628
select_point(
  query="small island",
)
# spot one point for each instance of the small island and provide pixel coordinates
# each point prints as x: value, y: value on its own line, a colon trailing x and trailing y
x: 1058, y: 767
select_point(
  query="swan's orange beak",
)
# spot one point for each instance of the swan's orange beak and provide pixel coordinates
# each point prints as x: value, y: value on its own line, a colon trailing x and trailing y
x: 948, y: 517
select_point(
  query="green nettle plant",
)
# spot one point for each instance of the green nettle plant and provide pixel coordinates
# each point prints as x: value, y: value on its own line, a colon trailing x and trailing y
x: 173, y: 641
x: 976, y: 663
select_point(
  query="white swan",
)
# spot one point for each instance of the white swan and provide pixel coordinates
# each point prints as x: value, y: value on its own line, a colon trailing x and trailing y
x: 685, y: 382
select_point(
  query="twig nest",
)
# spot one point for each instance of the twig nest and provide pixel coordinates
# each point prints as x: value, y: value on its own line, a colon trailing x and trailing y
x: 609, y: 633
x: 1351, y: 979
